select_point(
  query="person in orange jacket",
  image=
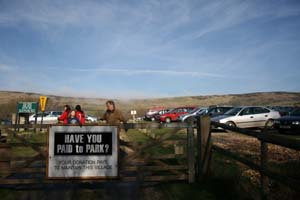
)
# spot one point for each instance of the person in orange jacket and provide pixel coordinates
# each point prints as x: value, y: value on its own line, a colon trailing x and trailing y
x: 80, y: 114
x: 64, y: 117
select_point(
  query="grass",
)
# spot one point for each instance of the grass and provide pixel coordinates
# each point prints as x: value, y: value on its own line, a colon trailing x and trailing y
x: 23, y: 151
x: 7, y: 194
x: 222, y: 184
x: 226, y: 180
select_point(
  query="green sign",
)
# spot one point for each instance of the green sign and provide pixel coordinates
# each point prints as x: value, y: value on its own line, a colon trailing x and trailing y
x: 27, y: 107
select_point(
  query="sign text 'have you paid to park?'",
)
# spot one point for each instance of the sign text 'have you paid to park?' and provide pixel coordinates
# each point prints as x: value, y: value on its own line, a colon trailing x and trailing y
x: 82, y: 152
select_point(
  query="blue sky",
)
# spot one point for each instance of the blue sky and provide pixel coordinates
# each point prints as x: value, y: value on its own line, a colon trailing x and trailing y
x: 148, y: 49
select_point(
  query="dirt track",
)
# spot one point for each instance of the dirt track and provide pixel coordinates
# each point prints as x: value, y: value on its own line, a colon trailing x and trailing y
x: 249, y: 146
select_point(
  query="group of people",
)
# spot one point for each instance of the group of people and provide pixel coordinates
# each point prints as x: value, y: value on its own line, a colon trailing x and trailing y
x: 112, y: 116
x: 69, y: 116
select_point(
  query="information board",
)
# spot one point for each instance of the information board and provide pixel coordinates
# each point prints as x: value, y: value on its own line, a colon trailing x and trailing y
x: 27, y: 107
x: 82, y: 152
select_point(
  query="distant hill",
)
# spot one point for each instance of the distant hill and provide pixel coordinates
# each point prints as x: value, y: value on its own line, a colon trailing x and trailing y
x: 96, y: 106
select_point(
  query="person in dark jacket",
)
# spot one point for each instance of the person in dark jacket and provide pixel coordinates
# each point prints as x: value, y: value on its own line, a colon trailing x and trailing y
x: 64, y: 117
x: 113, y: 116
x: 80, y: 114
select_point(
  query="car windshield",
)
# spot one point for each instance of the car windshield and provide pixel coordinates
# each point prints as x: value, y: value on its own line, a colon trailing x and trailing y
x: 296, y: 112
x: 233, y: 111
x: 202, y: 111
x: 172, y: 110
x: 194, y: 110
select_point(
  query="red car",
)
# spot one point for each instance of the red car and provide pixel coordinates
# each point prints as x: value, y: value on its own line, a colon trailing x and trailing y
x: 173, y: 114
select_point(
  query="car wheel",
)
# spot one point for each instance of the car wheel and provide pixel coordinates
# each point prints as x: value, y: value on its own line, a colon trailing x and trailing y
x: 168, y: 120
x: 152, y: 119
x: 232, y: 124
x: 269, y: 124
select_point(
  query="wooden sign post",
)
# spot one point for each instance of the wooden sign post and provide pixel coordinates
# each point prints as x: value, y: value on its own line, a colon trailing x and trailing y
x: 43, y: 101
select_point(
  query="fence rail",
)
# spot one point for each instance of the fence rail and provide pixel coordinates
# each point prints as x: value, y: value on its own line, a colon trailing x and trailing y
x: 198, y: 163
x: 264, y: 137
x: 137, y: 166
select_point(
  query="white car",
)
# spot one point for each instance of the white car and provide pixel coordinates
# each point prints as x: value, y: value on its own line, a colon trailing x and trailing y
x: 89, y: 118
x: 248, y: 117
x: 48, y: 117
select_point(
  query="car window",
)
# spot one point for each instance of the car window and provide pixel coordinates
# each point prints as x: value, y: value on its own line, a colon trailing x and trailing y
x: 259, y: 110
x: 233, y: 111
x: 222, y: 110
x: 226, y: 109
x: 247, y: 111
x: 191, y: 109
x: 180, y: 110
x: 296, y: 112
x: 218, y: 110
x: 213, y: 111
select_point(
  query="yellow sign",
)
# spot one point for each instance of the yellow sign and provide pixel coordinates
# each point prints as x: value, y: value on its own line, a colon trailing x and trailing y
x: 43, y: 100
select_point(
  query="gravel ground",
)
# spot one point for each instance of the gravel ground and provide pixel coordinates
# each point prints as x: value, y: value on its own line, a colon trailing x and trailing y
x: 249, y: 146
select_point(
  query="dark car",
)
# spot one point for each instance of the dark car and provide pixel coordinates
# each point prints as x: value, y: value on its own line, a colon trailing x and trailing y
x: 157, y: 115
x: 6, y: 121
x: 150, y: 114
x: 214, y: 111
x: 289, y: 123
x: 283, y: 110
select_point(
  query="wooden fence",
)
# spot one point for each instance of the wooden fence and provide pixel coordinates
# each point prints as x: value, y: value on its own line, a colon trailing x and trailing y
x: 265, y: 137
x: 135, y: 165
x: 199, y: 149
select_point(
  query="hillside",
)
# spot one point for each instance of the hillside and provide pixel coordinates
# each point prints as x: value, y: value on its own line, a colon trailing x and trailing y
x: 96, y: 106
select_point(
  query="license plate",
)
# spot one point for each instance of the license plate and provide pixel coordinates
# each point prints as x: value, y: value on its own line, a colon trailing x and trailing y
x: 285, y: 126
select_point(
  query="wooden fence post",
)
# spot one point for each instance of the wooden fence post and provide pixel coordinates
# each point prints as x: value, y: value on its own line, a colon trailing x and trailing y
x: 264, y: 181
x: 199, y: 151
x: 5, y: 152
x: 190, y: 151
x: 206, y: 146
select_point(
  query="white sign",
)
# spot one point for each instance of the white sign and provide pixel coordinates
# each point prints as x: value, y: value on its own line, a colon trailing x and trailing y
x: 133, y: 112
x: 82, y: 152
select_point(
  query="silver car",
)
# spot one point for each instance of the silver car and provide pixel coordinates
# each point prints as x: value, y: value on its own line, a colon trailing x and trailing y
x: 192, y: 113
x: 248, y: 117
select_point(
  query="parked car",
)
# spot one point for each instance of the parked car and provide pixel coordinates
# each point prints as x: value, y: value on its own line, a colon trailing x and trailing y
x: 173, y: 114
x: 248, y: 117
x: 192, y: 113
x: 153, y: 111
x: 211, y: 111
x: 283, y: 110
x: 48, y: 117
x: 156, y: 116
x: 6, y: 121
x: 89, y: 118
x: 289, y: 123
x: 39, y: 117
x: 214, y: 111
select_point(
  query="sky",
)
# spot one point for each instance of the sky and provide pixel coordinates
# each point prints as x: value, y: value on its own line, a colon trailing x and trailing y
x: 149, y: 49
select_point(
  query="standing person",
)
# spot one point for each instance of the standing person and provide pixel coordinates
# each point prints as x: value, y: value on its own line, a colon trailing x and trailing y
x: 80, y: 114
x: 113, y: 116
x: 64, y: 117
x: 72, y: 118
